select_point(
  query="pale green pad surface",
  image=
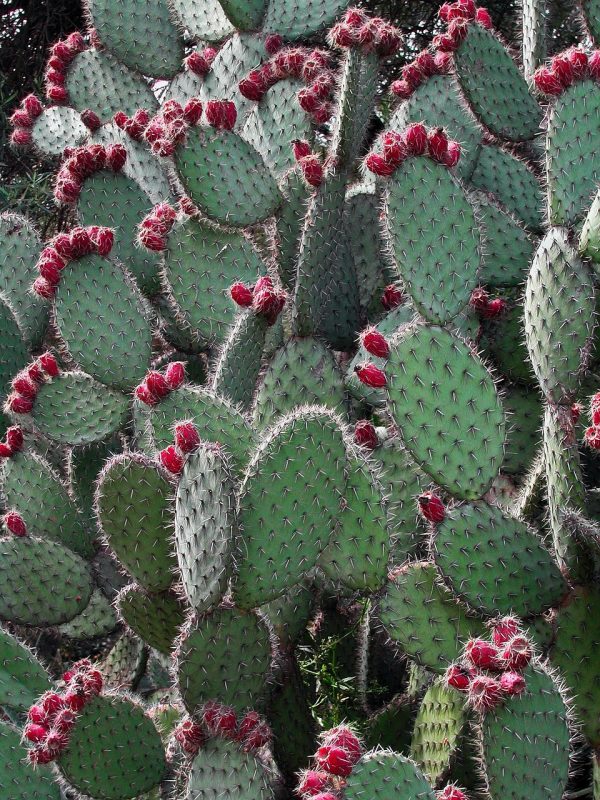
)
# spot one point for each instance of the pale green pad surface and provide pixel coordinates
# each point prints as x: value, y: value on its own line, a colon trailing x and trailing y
x: 204, y: 19
x: 296, y: 22
x: 58, y: 127
x: 13, y: 350
x: 386, y: 775
x: 18, y: 781
x: 222, y: 770
x: 22, y: 677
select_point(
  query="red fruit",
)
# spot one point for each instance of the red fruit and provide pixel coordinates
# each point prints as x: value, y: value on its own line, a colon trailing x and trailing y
x: 15, y: 523
x: 20, y: 137
x: 484, y: 693
x: 64, y: 720
x: 197, y: 64
x: 175, y: 375
x: 322, y: 113
x: 241, y: 294
x: 457, y: 677
x: 144, y: 394
x: 512, y: 683
x: 425, y: 62
x: 187, y: 438
x: 371, y: 375
x: 264, y: 282
x: 412, y: 75
x: 379, y: 165
x: 23, y: 385
x: 171, y: 460
x: 579, y: 61
x: 495, y: 308
x: 308, y: 100
x: 443, y: 62
x: 252, y: 87
x: 482, y: 654
x: 375, y: 343
x: 343, y: 35
x: 38, y: 715
x: 547, y: 82
x: 49, y: 364
x: 387, y: 39
x: 21, y: 119
x: 151, y: 240
x: 301, y: 149
x: 504, y: 630
x: 401, y: 89
x: 312, y: 170
x: 157, y: 384
x: 190, y: 736
x: 76, y: 43
x: 392, y: 297
x: 592, y: 437
x: 457, y: 31
x: 273, y: 43
x: 220, y: 720
x: 248, y: 723
x: 393, y: 147
x: 438, y: 144
x: 49, y: 269
x: 62, y: 51
x: 365, y: 434
x: 221, y: 114
x: 258, y: 737
x: 452, y: 156
x: 35, y: 733
x: 516, y: 653
x: 120, y: 119
x: 192, y: 111
x: 479, y: 299
x: 19, y: 404
x: 103, y: 239
x: 116, y: 156
x: 52, y: 702
x: 75, y: 700
x: 415, y: 137
x: 93, y: 682
x: 39, y: 755
x: 334, y: 760
x: 431, y: 507
x: 58, y: 94
x: 91, y: 120
x: 269, y: 303
x: 312, y: 782
x: 43, y: 288
x: 355, y: 17
x: 5, y: 450
x: 444, y: 43
x: 594, y: 65
x: 469, y: 7
x: 344, y: 737
x: 483, y: 17
x: 563, y: 69
x: 451, y: 792
x: 56, y: 741
x: 32, y: 105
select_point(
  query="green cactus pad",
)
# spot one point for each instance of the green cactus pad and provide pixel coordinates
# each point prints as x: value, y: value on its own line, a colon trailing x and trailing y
x: 438, y: 254
x: 73, y: 409
x: 289, y: 503
x: 205, y: 20
x: 524, y: 412
x: 535, y: 34
x: 124, y: 664
x: 155, y: 618
x: 13, y: 349
x: 533, y: 728
x: 302, y: 372
x: 358, y: 84
x: 559, y: 316
x: 18, y: 781
x: 298, y: 21
x: 290, y: 222
x: 134, y: 509
x: 114, y: 752
x: 29, y: 485
x: 227, y: 178
x: 357, y: 555
x: 20, y: 247
x: 42, y: 583
x: 226, y: 656
x: 149, y: 43
x: 494, y: 88
x: 572, y: 160
x: 58, y: 127
x: 111, y: 341
x: 290, y: 613
x: 238, y: 367
x: 84, y: 464
x: 591, y: 14
x: 98, y: 618
x: 503, y: 341
x: 385, y: 775
x: 507, y: 247
x: 433, y: 378
x: 96, y: 80
x: 438, y: 729
x: 118, y: 202
x: 205, y: 527
x: 200, y: 264
x: 221, y: 769
x: 244, y: 14
x: 574, y: 654
x: 512, y: 183
x: 437, y: 103
x: 423, y: 619
x: 216, y: 420
x: 474, y: 536
x: 22, y: 678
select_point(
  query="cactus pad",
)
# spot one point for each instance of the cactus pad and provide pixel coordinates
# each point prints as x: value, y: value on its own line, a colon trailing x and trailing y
x: 295, y: 21
x: 22, y: 677
x: 221, y: 769
x: 17, y: 780
x: 384, y: 775
x: 58, y: 127
x: 204, y: 19
x: 155, y: 618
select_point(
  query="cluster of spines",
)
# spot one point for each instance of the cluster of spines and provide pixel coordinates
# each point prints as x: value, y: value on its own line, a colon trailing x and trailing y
x: 216, y: 720
x: 25, y: 387
x: 158, y: 385
x: 567, y: 68
x: 263, y: 297
x: 81, y: 163
x: 415, y: 140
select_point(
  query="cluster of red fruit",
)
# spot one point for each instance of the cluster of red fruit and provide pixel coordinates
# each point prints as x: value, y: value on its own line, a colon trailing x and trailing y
x: 370, y: 34
x: 187, y: 440
x: 310, y: 163
x: 67, y: 247
x: 156, y: 226
x: 485, y: 307
x: 300, y: 63
x: 458, y: 16
x: 61, y: 57
x: 83, y: 162
x: 424, y: 66
x: 416, y: 140
x: 52, y: 718
x: 565, y: 68
x: 376, y: 344
x: 265, y: 299
x: 217, y: 720
x: 135, y: 125
x: 156, y: 386
x: 491, y: 670
x: 25, y: 386
x: 200, y: 62
x: 339, y: 751
x: 13, y: 442
x: 23, y: 119
x: 592, y: 434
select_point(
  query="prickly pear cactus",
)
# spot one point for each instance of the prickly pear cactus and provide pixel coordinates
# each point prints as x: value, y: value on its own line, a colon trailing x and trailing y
x: 283, y: 381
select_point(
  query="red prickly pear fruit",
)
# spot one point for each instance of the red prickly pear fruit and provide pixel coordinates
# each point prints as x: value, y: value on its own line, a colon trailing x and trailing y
x: 190, y: 736
x: 264, y: 282
x: 21, y: 119
x: 58, y: 94
x: 35, y: 373
x: 32, y: 105
x: 103, y: 239
x: 505, y: 629
x: 144, y: 394
x: 221, y: 114
x: 412, y: 74
x: 437, y: 142
x: 14, y: 438
x: 171, y: 460
x: 453, y: 153
x: 269, y: 303
x: 19, y: 404
x: 325, y: 796
x: 482, y: 16
x: 5, y: 450
x: 579, y: 61
x: 312, y: 170
x: 301, y: 149
x: 23, y: 385
x: 563, y: 69
x: 393, y: 147
x: 247, y: 724
x: 457, y: 31
x: 91, y: 120
x: 175, y: 375
x: 93, y: 682
x: 322, y: 113
x: 592, y: 437
x: 49, y: 364
x: 484, y: 693
x: 594, y: 65
x: 415, y: 137
x: 401, y: 89
x: 469, y: 7
x: 192, y: 111
x: 444, y: 11
x: 253, y: 87
x: 479, y: 299
x: 220, y: 720
x: 258, y: 737
x: 312, y: 783
x: 482, y: 654
x: 76, y: 43
x: 379, y: 165
x: 15, y: 524
x: 308, y: 100
x: 39, y: 755
x: 365, y: 434
x: 547, y: 82
x: 52, y: 702
x: 495, y: 308
x: 56, y: 741
x: 375, y: 343
x: 116, y: 156
x: 443, y: 62
x: 35, y: 733
x: 451, y: 792
x: 371, y: 375
x: 21, y: 137
x: 172, y: 111
x: 516, y: 653
x: 343, y: 35
x: 344, y: 737
x: 152, y: 240
x: 187, y: 438
x: 38, y: 715
x: 431, y: 507
x: 64, y: 720
x: 50, y: 271
x: 241, y: 294
x: 457, y: 677
x: 80, y: 241
x: 392, y: 297
x: 157, y: 384
x: 75, y: 700
x: 512, y: 683
x: 334, y: 760
x: 120, y: 119
x: 197, y: 63
x: 273, y: 43
x: 425, y: 62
